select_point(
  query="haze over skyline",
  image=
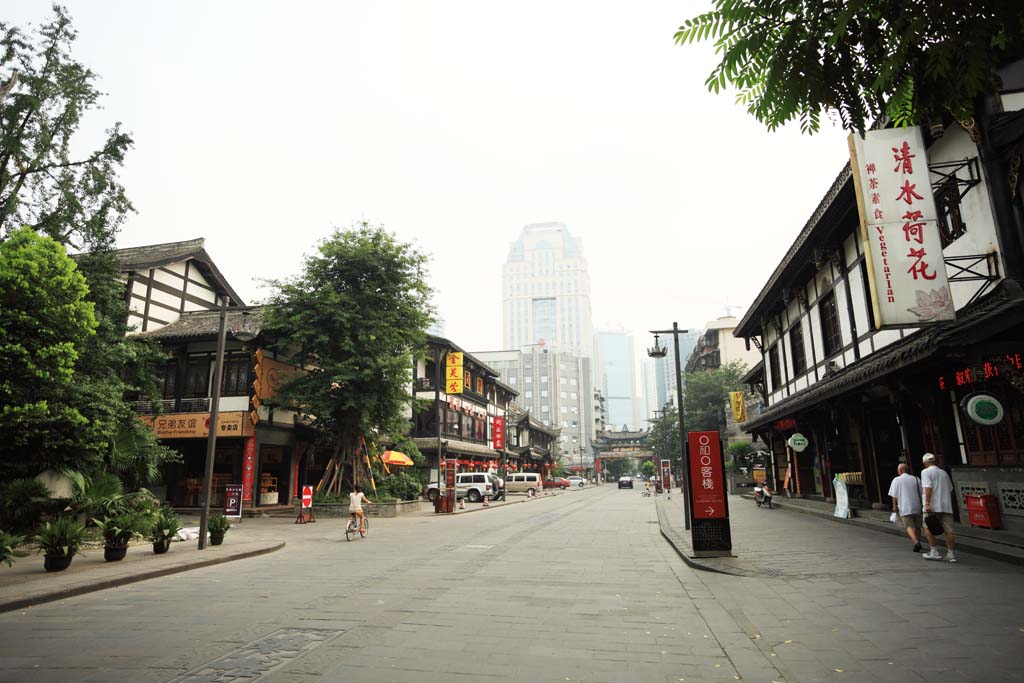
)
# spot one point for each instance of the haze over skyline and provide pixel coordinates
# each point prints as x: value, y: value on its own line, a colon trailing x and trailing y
x: 259, y: 126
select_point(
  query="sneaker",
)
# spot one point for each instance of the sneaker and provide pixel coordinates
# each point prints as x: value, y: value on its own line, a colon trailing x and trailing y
x: 917, y: 547
x: 932, y: 554
x: 950, y: 557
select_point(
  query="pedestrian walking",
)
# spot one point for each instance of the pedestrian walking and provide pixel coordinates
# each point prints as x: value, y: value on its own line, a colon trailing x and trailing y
x: 906, y: 494
x: 938, y: 508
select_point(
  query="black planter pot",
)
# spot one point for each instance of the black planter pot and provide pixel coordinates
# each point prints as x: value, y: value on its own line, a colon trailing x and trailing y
x: 216, y: 539
x: 56, y: 563
x: 161, y: 547
x: 114, y: 553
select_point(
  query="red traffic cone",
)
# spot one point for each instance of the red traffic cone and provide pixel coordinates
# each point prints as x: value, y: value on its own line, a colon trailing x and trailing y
x: 462, y: 503
x: 486, y: 504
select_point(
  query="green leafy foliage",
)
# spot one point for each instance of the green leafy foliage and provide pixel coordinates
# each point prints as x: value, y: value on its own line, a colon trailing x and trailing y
x: 739, y: 454
x: 9, y: 544
x: 356, y: 317
x: 117, y: 531
x: 663, y: 436
x: 910, y: 60
x: 22, y: 503
x: 75, y: 199
x: 647, y: 469
x: 43, y: 331
x: 61, y: 537
x: 706, y: 394
x: 399, y: 484
x: 165, y: 525
x: 218, y: 525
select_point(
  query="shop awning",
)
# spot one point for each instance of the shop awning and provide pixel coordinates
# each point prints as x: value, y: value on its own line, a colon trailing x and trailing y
x: 991, y: 315
x: 456, y: 446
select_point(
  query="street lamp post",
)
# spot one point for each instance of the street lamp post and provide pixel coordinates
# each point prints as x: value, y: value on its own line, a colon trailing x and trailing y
x: 243, y: 336
x: 660, y: 352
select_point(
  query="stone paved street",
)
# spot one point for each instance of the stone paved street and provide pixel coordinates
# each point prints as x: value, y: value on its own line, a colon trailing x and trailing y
x: 579, y: 587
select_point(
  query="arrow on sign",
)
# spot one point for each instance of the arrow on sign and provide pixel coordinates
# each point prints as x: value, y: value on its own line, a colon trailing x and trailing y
x: 710, y: 510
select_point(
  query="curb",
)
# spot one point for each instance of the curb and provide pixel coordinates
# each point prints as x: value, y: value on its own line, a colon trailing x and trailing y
x: 60, y: 594
x: 964, y: 543
x: 679, y: 545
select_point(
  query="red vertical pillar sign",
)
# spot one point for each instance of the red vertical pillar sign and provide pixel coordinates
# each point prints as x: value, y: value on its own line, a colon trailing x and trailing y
x: 248, y: 468
x: 706, y: 478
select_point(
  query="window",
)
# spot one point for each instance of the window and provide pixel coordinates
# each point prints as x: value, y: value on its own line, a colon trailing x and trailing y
x: 796, y: 346
x: 235, y: 381
x: 479, y: 385
x: 829, y: 312
x: 197, y: 378
x: 947, y: 202
x: 776, y: 370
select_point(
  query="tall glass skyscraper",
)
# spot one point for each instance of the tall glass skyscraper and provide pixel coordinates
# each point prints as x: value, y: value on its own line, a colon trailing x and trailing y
x: 615, y: 375
x: 546, y: 292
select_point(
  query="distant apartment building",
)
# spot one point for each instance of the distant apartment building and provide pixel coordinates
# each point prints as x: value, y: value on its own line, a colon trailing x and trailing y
x: 555, y: 387
x: 615, y: 376
x: 717, y: 346
x: 546, y: 292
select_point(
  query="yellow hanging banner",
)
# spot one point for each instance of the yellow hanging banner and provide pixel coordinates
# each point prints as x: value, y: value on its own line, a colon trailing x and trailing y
x: 453, y: 382
x: 739, y: 406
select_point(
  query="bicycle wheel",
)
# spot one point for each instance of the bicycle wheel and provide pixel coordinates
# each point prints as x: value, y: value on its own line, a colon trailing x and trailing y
x: 350, y: 531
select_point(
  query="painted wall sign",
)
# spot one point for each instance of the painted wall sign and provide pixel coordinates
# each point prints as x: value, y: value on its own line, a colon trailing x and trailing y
x: 899, y: 229
x: 706, y: 475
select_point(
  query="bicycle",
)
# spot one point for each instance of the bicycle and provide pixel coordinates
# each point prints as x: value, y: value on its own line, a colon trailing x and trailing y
x: 353, y: 526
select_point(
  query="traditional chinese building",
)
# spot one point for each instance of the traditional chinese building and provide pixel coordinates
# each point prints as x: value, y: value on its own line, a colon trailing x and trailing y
x: 466, y: 420
x: 868, y: 397
x: 534, y: 442
x: 622, y: 445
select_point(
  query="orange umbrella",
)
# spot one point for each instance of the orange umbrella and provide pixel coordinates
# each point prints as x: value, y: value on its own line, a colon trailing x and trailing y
x: 394, y: 458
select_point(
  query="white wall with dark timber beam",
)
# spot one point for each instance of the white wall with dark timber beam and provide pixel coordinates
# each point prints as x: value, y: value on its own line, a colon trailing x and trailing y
x: 158, y: 296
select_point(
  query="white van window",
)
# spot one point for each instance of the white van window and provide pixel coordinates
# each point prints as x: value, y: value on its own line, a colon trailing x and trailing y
x: 479, y: 479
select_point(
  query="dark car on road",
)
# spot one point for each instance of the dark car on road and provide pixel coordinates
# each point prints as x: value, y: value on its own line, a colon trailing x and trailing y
x: 625, y: 482
x: 557, y: 483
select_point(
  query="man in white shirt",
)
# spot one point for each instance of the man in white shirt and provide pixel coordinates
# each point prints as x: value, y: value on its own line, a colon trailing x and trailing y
x: 938, y: 503
x: 905, y: 491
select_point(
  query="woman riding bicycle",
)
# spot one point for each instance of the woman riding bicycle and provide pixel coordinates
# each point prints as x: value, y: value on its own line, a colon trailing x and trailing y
x: 355, y: 507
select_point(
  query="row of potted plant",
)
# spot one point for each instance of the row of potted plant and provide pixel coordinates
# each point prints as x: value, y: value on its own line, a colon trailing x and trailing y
x: 61, y: 539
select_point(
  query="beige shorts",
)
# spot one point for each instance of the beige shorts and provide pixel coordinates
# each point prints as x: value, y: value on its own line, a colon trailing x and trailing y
x: 911, y: 521
x: 947, y: 520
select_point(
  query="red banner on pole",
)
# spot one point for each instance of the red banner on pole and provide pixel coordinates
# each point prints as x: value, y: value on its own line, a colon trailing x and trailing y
x: 248, y: 468
x: 706, y: 477
x: 666, y: 475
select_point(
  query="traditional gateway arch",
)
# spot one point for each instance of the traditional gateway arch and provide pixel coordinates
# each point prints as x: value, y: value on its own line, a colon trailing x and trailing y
x: 624, y: 445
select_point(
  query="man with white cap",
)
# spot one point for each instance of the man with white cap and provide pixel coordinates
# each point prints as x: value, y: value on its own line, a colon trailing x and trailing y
x: 937, y: 498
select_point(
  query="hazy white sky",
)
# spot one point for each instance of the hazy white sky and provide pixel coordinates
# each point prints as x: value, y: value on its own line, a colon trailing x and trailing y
x: 259, y: 125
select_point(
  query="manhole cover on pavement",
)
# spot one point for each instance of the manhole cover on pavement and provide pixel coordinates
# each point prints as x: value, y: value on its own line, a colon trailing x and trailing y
x: 251, y: 661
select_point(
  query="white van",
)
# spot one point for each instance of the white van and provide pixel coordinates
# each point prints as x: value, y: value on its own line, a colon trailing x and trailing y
x: 525, y: 482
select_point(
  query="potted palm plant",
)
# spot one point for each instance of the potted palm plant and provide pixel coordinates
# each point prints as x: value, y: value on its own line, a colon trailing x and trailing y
x: 59, y: 541
x: 117, y: 532
x: 165, y: 528
x: 218, y: 526
x: 9, y: 547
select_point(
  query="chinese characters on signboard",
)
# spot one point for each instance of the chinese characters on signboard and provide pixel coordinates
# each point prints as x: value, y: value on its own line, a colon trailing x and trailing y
x: 499, y: 433
x: 453, y: 373
x: 899, y: 229
x: 984, y: 371
x: 194, y: 425
x: 706, y: 478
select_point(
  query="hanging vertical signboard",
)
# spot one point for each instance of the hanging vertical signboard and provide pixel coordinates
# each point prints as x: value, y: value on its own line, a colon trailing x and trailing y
x: 899, y: 229
x: 453, y: 382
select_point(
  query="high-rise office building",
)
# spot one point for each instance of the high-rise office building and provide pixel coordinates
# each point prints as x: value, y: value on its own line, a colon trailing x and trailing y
x: 615, y: 375
x: 665, y: 368
x: 546, y: 292
x: 556, y: 389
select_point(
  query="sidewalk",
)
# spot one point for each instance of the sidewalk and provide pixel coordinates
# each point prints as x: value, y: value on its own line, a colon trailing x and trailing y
x: 777, y: 543
x: 26, y: 583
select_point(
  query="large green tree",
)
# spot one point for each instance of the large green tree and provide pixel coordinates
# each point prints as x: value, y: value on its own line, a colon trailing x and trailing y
x: 663, y: 437
x: 45, y: 324
x: 706, y: 394
x: 77, y: 200
x: 44, y: 183
x: 911, y: 60
x: 356, y: 317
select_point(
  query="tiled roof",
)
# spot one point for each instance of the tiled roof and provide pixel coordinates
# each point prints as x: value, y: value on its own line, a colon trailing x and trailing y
x: 1004, y: 307
x: 157, y: 255
x: 204, y: 324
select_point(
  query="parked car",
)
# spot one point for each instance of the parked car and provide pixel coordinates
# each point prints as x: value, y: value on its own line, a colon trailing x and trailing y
x: 577, y: 481
x: 625, y: 482
x: 523, y: 482
x: 556, y: 483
